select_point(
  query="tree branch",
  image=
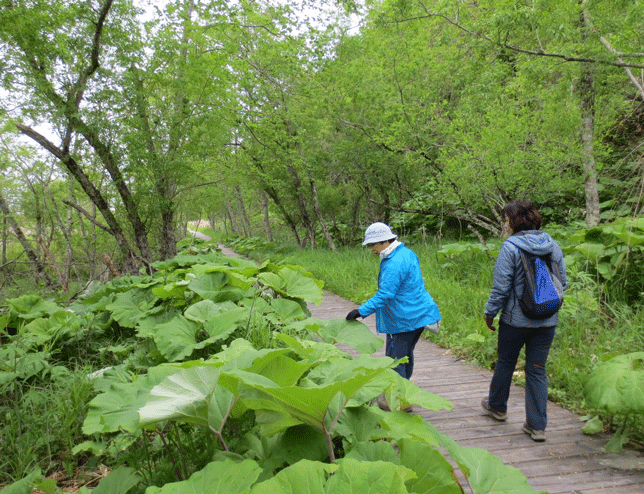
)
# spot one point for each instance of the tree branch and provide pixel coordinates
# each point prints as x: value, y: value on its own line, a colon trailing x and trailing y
x: 633, y: 79
x: 540, y: 52
x: 79, y: 87
x: 88, y: 216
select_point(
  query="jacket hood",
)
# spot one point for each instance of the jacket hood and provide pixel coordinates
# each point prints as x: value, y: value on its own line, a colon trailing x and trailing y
x: 535, y: 242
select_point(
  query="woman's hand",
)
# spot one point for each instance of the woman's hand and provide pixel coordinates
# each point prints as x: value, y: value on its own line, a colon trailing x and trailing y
x: 354, y: 314
x: 489, y: 322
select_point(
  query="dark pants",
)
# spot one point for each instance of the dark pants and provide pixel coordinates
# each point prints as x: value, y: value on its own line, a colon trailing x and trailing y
x: 399, y: 345
x: 537, y: 343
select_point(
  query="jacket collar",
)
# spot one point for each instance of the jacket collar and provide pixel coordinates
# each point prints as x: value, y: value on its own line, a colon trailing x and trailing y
x: 390, y: 248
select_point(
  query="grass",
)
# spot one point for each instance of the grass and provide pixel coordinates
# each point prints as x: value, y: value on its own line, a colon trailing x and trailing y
x: 42, y: 424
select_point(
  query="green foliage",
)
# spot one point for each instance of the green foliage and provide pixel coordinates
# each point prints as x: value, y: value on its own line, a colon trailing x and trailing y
x: 264, y: 415
x: 616, y: 387
x: 42, y: 417
x: 192, y: 306
x: 615, y: 252
x: 118, y: 481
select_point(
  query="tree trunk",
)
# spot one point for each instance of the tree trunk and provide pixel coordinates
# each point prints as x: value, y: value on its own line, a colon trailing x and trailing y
x: 4, y: 239
x: 267, y: 223
x: 587, y: 107
x: 354, y: 218
x: 233, y: 221
x: 301, y: 202
x: 31, y: 254
x: 168, y: 233
x: 244, y: 215
x: 272, y: 193
x: 92, y: 192
x: 316, y: 208
x: 65, y: 228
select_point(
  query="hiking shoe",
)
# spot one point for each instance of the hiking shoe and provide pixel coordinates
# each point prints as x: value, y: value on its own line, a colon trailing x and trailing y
x: 383, y: 405
x: 496, y: 415
x: 535, y: 435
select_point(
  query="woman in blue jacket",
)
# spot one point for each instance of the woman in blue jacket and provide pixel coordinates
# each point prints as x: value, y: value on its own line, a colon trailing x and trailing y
x: 522, y: 223
x: 402, y: 305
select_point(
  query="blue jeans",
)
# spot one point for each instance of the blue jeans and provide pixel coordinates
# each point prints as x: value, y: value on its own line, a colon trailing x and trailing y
x: 399, y: 345
x: 537, y: 343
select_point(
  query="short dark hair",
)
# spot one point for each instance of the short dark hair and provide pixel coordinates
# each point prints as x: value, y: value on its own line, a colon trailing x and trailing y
x: 522, y: 215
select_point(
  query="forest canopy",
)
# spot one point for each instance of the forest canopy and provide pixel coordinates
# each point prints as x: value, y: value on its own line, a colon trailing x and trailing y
x: 120, y: 123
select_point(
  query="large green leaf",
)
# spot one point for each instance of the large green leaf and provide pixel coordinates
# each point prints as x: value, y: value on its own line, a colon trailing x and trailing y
x: 310, y: 405
x: 352, y: 333
x: 374, y: 451
x: 118, y: 481
x: 399, y: 425
x: 41, y: 330
x: 272, y: 422
x: 30, y: 307
x: 310, y: 350
x: 220, y: 326
x: 176, y: 338
x: 24, y: 485
x: 294, y: 282
x: 486, y: 473
x: 358, y: 425
x: 305, y: 477
x: 195, y: 394
x: 209, y: 285
x: 202, y: 311
x: 374, y: 477
x: 117, y: 408
x: 147, y: 325
x: 338, y: 330
x: 218, y: 477
x: 301, y: 442
x: 405, y: 392
x: 190, y: 395
x: 128, y: 307
x: 18, y: 362
x: 617, y: 385
x: 272, y: 280
x: 287, y: 310
x: 434, y: 472
x: 172, y: 291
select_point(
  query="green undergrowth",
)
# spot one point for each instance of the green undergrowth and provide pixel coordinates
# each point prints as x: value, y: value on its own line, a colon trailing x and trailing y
x: 210, y: 376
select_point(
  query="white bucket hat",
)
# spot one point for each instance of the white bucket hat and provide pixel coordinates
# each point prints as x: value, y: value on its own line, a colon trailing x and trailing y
x: 378, y: 232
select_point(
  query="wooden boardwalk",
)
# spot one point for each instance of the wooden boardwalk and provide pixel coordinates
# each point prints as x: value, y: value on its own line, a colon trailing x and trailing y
x: 568, y: 462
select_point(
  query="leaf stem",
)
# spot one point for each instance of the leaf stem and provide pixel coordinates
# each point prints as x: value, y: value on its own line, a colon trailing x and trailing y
x: 167, y: 448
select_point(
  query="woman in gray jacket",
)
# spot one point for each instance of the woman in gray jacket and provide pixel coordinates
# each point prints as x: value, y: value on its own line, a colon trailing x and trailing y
x: 522, y: 223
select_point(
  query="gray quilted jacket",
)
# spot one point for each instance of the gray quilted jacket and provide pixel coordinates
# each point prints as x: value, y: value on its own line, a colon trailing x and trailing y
x: 507, y: 283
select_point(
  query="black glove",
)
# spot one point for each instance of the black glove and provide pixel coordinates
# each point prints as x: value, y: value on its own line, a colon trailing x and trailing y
x: 354, y: 314
x: 489, y: 322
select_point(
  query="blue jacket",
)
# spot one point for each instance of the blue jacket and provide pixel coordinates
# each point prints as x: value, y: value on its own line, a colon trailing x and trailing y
x: 507, y: 283
x: 401, y: 304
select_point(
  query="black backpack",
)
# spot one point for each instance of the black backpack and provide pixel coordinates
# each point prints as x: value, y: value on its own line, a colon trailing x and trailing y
x: 542, y: 290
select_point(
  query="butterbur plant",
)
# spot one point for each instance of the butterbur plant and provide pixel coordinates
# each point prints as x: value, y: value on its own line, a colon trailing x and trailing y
x: 616, y: 387
x: 287, y: 405
x: 310, y: 400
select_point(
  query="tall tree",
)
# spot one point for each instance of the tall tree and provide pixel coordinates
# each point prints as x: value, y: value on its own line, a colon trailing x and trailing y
x: 150, y: 118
